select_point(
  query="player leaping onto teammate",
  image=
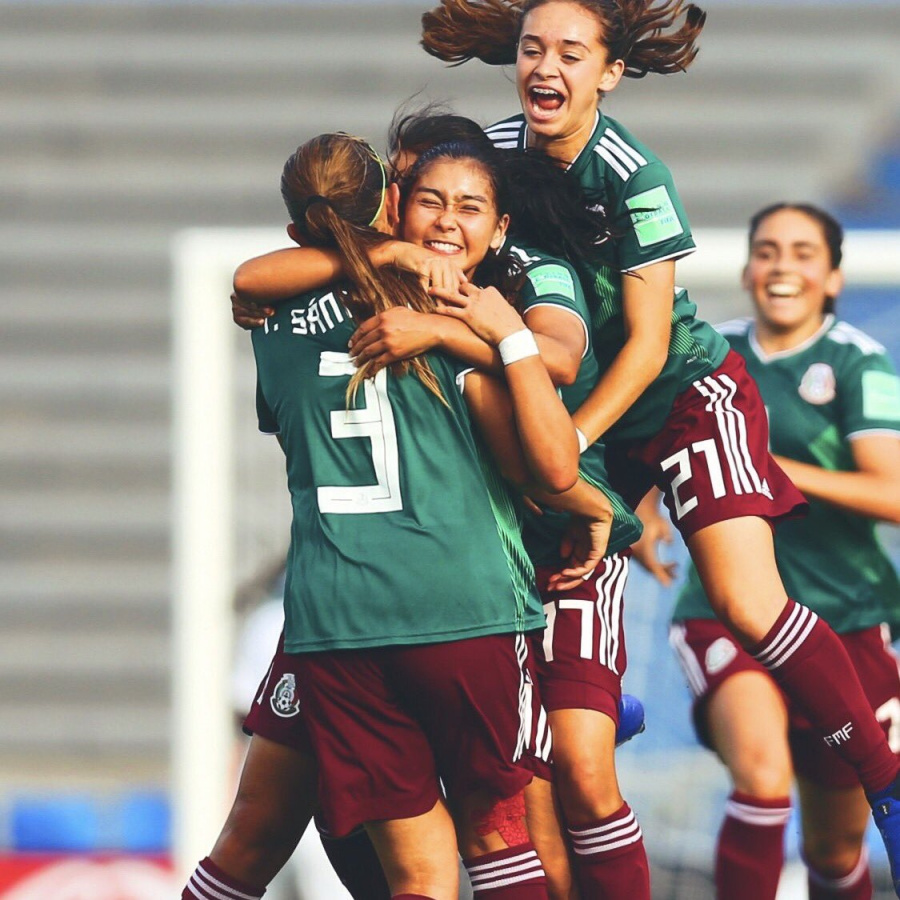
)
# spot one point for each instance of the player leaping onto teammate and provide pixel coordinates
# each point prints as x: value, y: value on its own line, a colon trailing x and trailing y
x: 676, y: 407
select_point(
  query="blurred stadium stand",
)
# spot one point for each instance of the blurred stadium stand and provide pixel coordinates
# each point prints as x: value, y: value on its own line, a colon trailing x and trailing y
x: 127, y: 122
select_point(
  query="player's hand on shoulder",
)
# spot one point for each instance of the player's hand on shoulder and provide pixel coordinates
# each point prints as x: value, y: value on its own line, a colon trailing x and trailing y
x: 249, y: 315
x: 391, y: 336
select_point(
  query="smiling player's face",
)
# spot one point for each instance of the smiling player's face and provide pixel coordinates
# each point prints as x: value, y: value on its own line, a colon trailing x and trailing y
x: 452, y: 211
x: 789, y: 274
x: 561, y: 68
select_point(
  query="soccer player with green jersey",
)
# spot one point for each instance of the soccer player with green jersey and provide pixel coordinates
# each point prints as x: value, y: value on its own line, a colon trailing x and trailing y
x: 353, y: 534
x: 549, y: 208
x: 833, y: 400
x: 677, y: 408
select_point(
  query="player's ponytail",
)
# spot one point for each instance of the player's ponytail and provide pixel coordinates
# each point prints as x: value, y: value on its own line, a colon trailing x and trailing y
x: 644, y: 34
x: 334, y: 188
x: 459, y: 30
x: 649, y: 38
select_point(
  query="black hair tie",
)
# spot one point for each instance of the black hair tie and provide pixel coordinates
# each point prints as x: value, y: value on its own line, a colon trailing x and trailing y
x: 314, y: 198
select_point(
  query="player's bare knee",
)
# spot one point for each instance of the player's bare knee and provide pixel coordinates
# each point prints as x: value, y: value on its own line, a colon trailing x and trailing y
x: 763, y: 774
x: 747, y: 613
x: 256, y: 833
x: 587, y: 786
x: 832, y: 855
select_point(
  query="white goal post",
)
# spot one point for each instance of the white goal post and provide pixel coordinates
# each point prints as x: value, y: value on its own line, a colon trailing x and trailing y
x: 206, y: 513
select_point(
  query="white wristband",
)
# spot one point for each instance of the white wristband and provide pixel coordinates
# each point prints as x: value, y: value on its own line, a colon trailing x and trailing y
x: 516, y: 346
x: 582, y: 441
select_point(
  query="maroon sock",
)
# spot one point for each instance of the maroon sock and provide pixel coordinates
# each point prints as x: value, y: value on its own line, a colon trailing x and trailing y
x: 610, y: 859
x: 209, y: 882
x: 855, y: 885
x: 511, y: 874
x: 356, y: 863
x: 750, y: 852
x: 810, y: 664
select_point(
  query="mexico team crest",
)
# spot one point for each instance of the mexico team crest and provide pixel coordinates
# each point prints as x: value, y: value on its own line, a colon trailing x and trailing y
x: 818, y: 385
x: 284, y: 700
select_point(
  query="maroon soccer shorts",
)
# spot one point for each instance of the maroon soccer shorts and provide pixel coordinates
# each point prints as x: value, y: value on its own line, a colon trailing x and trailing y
x: 388, y: 723
x: 711, y: 459
x: 709, y: 655
x: 581, y: 661
x: 275, y: 713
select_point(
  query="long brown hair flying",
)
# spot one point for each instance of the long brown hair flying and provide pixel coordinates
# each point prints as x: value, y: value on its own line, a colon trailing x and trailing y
x: 644, y: 34
x: 334, y: 187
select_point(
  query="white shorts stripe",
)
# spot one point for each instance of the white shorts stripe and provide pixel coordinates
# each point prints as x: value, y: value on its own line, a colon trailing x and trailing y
x: 602, y: 607
x: 690, y: 665
x: 713, y: 394
x: 610, y: 593
x: 720, y: 390
x: 544, y: 736
x: 742, y: 445
x: 524, y: 699
x: 717, y: 395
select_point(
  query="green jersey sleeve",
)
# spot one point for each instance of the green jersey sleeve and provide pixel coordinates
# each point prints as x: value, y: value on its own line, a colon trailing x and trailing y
x: 554, y: 283
x: 652, y: 218
x: 870, y: 397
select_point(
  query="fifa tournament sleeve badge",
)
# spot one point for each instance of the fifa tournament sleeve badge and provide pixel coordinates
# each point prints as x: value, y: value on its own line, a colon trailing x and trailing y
x: 654, y: 217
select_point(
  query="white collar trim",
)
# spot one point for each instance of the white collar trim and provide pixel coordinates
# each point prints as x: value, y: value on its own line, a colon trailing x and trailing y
x: 764, y: 357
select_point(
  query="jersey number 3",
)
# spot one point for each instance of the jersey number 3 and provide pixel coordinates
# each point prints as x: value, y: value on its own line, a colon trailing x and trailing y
x: 376, y: 422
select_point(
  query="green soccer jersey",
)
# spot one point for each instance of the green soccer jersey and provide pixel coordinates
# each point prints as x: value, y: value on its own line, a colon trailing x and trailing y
x: 636, y: 191
x: 553, y: 282
x: 396, y: 537
x: 836, y: 386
